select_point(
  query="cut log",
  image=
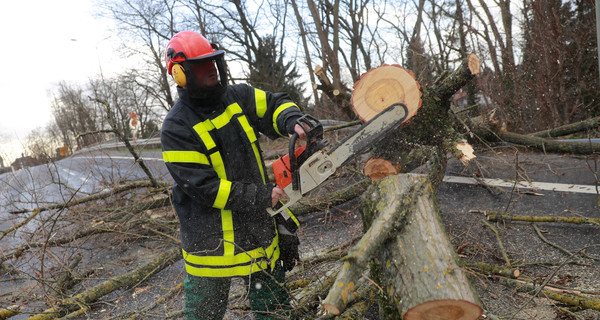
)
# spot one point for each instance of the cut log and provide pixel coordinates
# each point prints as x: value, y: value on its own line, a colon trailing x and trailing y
x: 432, y: 127
x: 378, y: 168
x: 449, y: 85
x: 321, y: 74
x: 382, y: 87
x: 417, y: 265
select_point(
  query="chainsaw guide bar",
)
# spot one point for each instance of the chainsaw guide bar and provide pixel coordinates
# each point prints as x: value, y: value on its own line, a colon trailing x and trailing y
x: 384, y: 98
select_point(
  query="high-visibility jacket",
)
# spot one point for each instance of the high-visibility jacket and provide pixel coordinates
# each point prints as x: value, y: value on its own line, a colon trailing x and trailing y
x: 221, y: 188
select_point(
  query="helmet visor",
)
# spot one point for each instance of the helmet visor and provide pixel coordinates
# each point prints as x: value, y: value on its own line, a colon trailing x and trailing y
x: 206, y: 75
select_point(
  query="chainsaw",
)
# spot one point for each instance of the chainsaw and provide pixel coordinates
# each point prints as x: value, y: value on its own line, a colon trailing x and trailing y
x: 305, y: 167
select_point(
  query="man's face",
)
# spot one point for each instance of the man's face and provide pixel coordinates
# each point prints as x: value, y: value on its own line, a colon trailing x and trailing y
x: 205, y: 74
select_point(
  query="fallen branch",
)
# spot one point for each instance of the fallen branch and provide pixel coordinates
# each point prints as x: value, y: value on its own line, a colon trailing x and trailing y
x: 358, y: 304
x: 415, y: 262
x: 367, y: 298
x: 9, y: 312
x: 563, y: 250
x: 127, y: 280
x: 573, y: 300
x: 569, y: 128
x: 494, y: 269
x: 97, y: 196
x: 308, y: 298
x: 173, y: 291
x: 500, y: 244
x: 547, y: 145
x: 499, y: 216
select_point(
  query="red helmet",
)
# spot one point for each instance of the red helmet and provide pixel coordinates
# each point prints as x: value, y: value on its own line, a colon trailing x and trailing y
x: 188, y: 45
x: 187, y: 48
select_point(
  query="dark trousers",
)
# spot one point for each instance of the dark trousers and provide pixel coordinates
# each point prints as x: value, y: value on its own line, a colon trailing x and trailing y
x: 206, y: 298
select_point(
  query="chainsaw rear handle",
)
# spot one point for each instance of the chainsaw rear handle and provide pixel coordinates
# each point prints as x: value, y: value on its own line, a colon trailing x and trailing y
x: 314, y: 132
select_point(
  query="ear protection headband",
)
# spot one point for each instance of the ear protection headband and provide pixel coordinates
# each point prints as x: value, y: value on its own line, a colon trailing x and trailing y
x: 178, y: 73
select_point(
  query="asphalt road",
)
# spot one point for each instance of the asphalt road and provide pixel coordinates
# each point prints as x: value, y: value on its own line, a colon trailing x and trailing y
x: 548, y: 185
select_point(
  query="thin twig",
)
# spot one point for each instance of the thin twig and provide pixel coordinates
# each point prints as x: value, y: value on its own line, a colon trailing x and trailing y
x: 504, y: 254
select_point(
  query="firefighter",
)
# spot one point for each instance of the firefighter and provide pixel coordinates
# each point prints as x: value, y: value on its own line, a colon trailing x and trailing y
x: 221, y: 189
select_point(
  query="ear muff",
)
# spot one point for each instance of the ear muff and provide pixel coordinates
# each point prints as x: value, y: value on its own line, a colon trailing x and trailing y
x: 179, y: 75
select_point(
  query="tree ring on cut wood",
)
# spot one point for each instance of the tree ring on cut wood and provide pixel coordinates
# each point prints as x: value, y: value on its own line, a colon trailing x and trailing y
x: 384, y: 86
x: 444, y: 309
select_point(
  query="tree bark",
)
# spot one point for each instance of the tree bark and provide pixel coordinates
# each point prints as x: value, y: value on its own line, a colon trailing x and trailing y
x: 547, y: 145
x: 389, y: 218
x: 499, y: 216
x: 9, y: 312
x: 569, y: 128
x: 417, y: 265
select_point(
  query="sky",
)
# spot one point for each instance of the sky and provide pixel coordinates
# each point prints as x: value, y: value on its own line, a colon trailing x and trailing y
x: 42, y: 43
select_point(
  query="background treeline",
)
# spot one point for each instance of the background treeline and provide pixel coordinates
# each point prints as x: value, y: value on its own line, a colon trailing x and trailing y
x: 539, y: 58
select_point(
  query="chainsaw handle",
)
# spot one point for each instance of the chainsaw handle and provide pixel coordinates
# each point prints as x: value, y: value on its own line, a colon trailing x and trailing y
x: 294, y: 161
x: 314, y: 132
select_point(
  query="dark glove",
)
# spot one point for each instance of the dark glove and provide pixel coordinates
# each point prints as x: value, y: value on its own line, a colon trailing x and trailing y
x: 288, y: 248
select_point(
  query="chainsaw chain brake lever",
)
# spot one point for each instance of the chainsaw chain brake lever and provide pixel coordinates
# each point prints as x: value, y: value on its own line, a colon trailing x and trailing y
x: 314, y: 142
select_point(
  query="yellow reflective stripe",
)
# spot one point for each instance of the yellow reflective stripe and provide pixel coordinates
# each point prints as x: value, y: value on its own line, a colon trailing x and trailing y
x: 247, y: 128
x: 238, y: 271
x: 222, y: 194
x: 240, y: 258
x: 202, y: 129
x: 185, y: 157
x: 258, y: 160
x: 252, y: 137
x: 228, y: 235
x: 260, y: 99
x: 278, y: 111
x: 218, y: 165
x: 224, y: 118
x: 293, y: 217
x: 241, y: 264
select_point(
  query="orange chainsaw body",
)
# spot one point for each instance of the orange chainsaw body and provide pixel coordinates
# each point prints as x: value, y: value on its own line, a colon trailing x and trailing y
x: 282, y: 170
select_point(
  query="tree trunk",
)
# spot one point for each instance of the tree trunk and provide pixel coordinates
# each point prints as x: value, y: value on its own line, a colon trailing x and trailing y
x: 417, y: 264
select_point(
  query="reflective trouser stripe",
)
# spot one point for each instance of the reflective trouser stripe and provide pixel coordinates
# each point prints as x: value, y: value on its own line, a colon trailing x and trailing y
x: 278, y: 111
x: 241, y: 264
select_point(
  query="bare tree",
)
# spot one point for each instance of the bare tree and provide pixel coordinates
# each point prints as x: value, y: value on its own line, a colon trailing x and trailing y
x: 146, y: 27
